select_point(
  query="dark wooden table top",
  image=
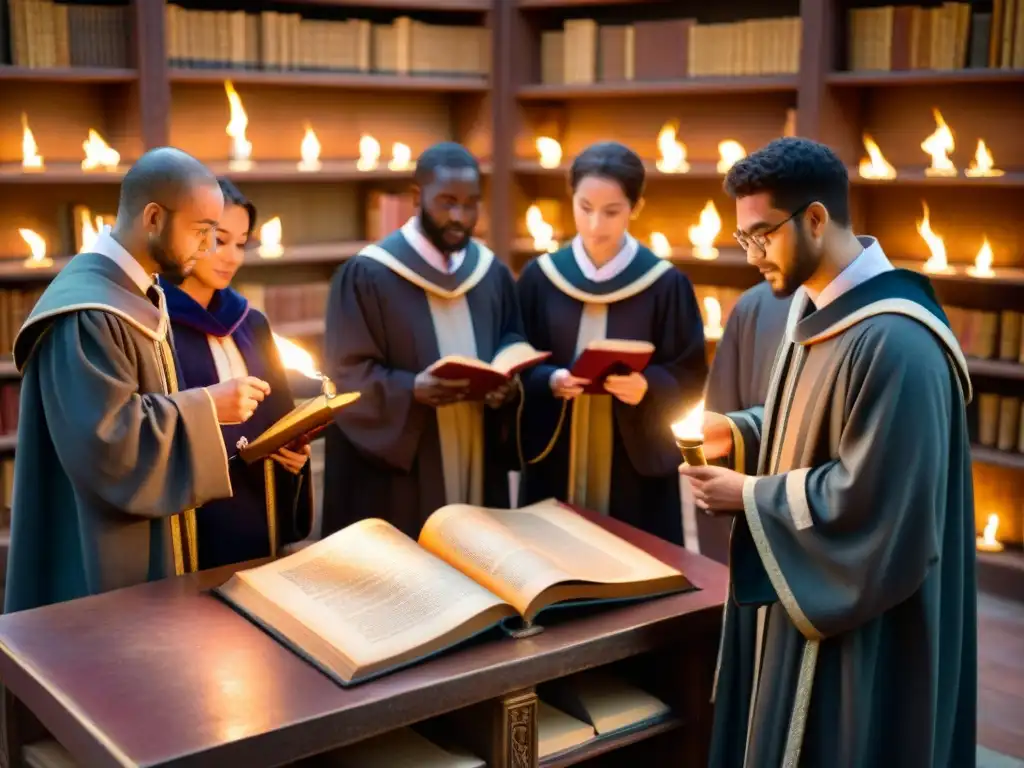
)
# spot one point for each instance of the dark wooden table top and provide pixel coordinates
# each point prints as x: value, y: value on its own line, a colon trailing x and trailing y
x: 166, y: 674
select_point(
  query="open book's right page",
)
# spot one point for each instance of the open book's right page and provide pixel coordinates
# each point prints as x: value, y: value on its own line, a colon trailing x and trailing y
x: 543, y: 554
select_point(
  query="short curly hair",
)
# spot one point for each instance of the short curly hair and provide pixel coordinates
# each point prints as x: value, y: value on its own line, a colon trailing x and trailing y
x: 795, y: 172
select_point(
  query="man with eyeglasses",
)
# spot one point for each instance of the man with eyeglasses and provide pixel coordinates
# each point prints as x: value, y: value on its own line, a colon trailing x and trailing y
x: 850, y: 630
x: 112, y: 459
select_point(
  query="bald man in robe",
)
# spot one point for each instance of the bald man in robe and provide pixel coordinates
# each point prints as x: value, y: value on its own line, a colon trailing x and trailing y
x: 112, y: 458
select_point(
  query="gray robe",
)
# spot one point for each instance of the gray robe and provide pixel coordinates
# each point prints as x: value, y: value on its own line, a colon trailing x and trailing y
x: 852, y: 564
x: 112, y: 458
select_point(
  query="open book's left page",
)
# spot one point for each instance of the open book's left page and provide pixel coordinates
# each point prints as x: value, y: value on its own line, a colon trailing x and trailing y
x: 365, y: 600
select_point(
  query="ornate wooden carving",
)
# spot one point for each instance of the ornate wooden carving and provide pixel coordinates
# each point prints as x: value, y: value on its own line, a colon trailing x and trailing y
x: 520, y: 730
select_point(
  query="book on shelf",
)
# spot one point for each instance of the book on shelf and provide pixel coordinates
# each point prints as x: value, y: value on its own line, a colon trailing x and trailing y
x: 300, y: 425
x: 610, y: 357
x: 368, y: 599
x: 484, y: 377
x: 401, y: 747
x: 604, y: 701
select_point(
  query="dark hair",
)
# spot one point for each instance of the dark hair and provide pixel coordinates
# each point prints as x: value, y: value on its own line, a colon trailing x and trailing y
x: 795, y: 172
x: 163, y: 175
x: 446, y: 154
x: 613, y: 161
x: 233, y: 196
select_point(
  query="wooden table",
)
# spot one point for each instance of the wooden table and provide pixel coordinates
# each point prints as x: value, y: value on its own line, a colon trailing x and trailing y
x: 164, y: 674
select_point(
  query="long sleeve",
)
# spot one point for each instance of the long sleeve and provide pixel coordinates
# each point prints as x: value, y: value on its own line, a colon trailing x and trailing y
x: 844, y: 541
x: 675, y: 380
x: 148, y: 455
x: 387, y: 421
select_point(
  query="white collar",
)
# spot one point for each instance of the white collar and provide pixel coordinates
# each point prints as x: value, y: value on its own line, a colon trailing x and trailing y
x: 106, y: 245
x: 611, y: 268
x: 428, y: 251
x: 869, y: 263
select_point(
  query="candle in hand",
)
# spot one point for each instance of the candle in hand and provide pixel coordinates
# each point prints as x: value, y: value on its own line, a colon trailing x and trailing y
x: 689, y: 435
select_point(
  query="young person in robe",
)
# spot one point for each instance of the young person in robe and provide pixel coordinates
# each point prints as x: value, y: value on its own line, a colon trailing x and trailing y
x: 413, y: 442
x: 218, y: 336
x: 112, y: 458
x: 612, y: 452
x: 852, y: 555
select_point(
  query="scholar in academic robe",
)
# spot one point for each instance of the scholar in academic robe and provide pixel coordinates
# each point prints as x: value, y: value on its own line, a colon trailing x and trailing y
x: 607, y: 456
x: 112, y: 458
x: 226, y: 340
x: 739, y: 378
x: 390, y: 315
x: 853, y: 564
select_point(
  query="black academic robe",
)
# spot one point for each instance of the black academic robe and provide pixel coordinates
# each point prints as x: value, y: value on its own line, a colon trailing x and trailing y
x: 389, y: 316
x: 852, y: 564
x: 649, y: 301
x: 236, y: 529
x: 112, y: 458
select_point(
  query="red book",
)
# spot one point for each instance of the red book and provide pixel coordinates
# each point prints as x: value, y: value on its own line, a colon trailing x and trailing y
x: 486, y: 377
x: 610, y: 357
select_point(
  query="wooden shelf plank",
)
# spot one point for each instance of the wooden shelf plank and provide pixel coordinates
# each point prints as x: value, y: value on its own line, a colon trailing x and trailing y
x: 14, y: 270
x: 476, y: 6
x: 917, y: 177
x: 332, y: 171
x: 69, y: 74
x: 996, y: 369
x: 698, y: 170
x: 958, y: 274
x: 300, y: 328
x: 8, y: 443
x: 320, y: 253
x: 556, y: 4
x: 997, y: 458
x: 694, y: 85
x: 603, y: 746
x: 925, y: 77
x: 331, y: 80
x: 59, y: 173
x: 7, y: 369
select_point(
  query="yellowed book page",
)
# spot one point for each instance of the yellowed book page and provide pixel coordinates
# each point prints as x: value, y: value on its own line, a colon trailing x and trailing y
x: 519, y: 553
x: 402, y: 747
x: 610, y: 703
x: 370, y: 591
x: 513, y: 355
x: 558, y: 731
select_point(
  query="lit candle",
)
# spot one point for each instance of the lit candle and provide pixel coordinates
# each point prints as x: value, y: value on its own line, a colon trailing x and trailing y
x: 295, y: 358
x: 987, y: 542
x: 689, y: 435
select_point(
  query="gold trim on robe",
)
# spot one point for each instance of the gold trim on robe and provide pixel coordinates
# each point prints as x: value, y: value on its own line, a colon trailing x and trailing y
x: 642, y: 283
x: 484, y: 260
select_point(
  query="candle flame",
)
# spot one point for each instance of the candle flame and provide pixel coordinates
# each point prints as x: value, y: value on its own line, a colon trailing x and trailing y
x: 543, y: 234
x: 691, y: 426
x: 703, y: 234
x: 37, y: 246
x: 712, y: 318
x: 875, y: 166
x: 729, y: 153
x: 310, y: 151
x: 550, y: 152
x: 295, y: 358
x: 241, y: 147
x: 937, y: 262
x: 988, y: 541
x: 661, y: 246
x: 369, y: 153
x: 672, y: 152
x: 31, y: 160
x: 270, y: 239
x: 98, y: 153
x: 983, y: 163
x: 401, y: 157
x: 983, y: 261
x: 89, y: 228
x: 939, y: 146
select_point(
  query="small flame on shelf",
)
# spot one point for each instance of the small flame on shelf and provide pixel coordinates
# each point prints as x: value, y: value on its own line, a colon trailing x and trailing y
x: 369, y: 153
x: 401, y: 157
x: 703, y: 234
x: 661, y: 246
x: 982, y: 266
x: 712, y: 318
x: 988, y: 542
x: 89, y: 227
x: 37, y: 246
x: 729, y: 153
x: 98, y: 154
x: 939, y: 146
x: 295, y: 358
x: 270, y: 239
x: 983, y: 163
x: 875, y: 166
x: 31, y: 160
x: 241, y: 148
x: 672, y: 152
x: 310, y: 151
x: 543, y: 234
x: 937, y: 262
x: 549, y: 151
x: 691, y: 426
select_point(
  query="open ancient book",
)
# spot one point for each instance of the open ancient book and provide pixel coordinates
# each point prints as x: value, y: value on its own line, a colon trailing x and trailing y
x: 368, y: 599
x: 607, y: 357
x: 301, y: 424
x: 485, y: 377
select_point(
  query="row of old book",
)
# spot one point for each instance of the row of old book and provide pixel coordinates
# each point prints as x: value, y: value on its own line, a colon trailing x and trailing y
x: 1001, y: 422
x: 6, y: 494
x: 10, y: 397
x: 287, y: 302
x: 15, y: 304
x: 584, y: 51
x: 44, y: 33
x: 988, y: 335
x: 275, y: 40
x: 951, y: 36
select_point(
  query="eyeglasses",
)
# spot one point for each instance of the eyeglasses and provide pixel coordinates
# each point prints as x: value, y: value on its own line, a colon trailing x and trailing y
x: 760, y: 239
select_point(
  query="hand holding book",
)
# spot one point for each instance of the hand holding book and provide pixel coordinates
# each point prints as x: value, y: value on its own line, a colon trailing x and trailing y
x: 476, y: 379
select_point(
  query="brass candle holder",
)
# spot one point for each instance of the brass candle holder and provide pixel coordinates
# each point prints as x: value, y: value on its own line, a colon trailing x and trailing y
x: 689, y: 435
